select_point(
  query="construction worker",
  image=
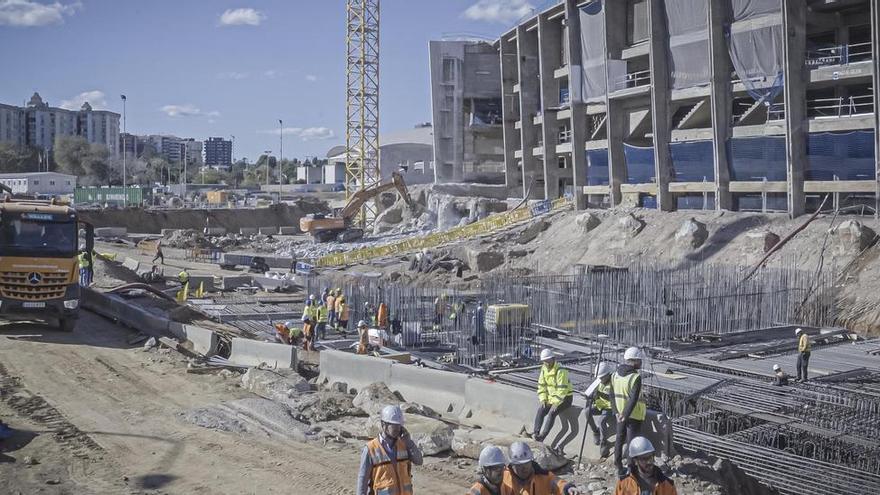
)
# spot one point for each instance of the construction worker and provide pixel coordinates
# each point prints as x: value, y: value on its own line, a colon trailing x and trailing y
x: 644, y: 477
x: 342, y: 314
x: 330, y: 301
x: 780, y: 378
x: 386, y: 461
x: 492, y: 463
x: 287, y: 333
x: 628, y: 405
x: 439, y: 308
x: 323, y: 316
x: 363, y: 337
x: 369, y: 313
x: 85, y: 268
x: 183, y: 277
x: 382, y: 316
x: 479, y: 324
x: 310, y: 310
x: 525, y: 476
x: 308, y: 333
x: 554, y: 392
x: 159, y: 255
x: 803, y: 361
x: 599, y: 404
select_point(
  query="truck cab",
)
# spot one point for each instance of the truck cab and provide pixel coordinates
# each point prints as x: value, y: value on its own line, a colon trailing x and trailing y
x: 39, y: 261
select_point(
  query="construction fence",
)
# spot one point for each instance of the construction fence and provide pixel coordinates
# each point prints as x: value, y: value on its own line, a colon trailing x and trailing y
x: 478, y: 228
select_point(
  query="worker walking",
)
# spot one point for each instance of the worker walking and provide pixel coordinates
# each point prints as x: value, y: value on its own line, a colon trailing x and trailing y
x: 492, y: 463
x: 803, y: 361
x: 330, y: 301
x: 323, y: 316
x: 525, y: 476
x: 159, y: 255
x: 628, y: 405
x: 599, y: 404
x: 554, y: 392
x: 363, y: 337
x: 386, y: 461
x: 85, y: 268
x: 644, y: 477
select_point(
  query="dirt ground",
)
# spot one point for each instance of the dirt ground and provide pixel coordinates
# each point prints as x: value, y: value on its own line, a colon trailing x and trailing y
x: 96, y: 415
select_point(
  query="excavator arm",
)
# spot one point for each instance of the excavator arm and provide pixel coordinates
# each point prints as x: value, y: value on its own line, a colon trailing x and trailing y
x: 351, y: 209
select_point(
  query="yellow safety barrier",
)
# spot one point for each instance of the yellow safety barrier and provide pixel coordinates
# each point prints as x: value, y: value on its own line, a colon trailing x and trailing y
x: 480, y: 227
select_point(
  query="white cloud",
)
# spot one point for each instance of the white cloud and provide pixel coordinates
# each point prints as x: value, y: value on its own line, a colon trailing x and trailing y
x: 304, y: 133
x: 242, y: 17
x: 270, y: 73
x: 95, y: 98
x: 311, y: 77
x: 28, y: 13
x: 500, y: 11
x: 233, y: 75
x: 188, y: 110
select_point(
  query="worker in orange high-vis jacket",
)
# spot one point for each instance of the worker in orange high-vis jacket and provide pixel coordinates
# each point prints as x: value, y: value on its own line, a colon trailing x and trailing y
x: 386, y: 461
x: 382, y: 316
x: 525, y: 477
x: 363, y: 337
x: 644, y: 477
x: 492, y: 463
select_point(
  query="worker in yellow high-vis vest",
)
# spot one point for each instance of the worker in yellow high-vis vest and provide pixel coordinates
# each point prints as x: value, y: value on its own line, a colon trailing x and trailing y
x: 803, y: 361
x: 628, y: 405
x: 599, y: 404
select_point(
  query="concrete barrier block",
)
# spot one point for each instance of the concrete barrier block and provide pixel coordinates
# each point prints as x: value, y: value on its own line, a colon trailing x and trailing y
x: 131, y: 264
x: 249, y: 231
x: 215, y: 231
x: 357, y: 371
x: 233, y: 282
x: 111, y: 232
x: 248, y: 352
x: 288, y: 231
x: 204, y: 341
x: 268, y: 230
x: 440, y: 390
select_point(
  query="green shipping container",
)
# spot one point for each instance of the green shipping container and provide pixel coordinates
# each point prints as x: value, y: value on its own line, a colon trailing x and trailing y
x: 111, y: 195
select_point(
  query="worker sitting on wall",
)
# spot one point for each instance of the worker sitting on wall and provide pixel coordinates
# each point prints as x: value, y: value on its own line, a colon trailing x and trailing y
x: 554, y: 392
x: 524, y: 475
x: 644, y: 476
x: 780, y: 378
x: 492, y: 463
x: 628, y: 405
x: 599, y: 404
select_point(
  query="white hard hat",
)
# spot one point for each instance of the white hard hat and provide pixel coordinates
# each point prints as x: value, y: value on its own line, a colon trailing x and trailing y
x: 492, y: 456
x: 520, y: 453
x: 393, y: 415
x: 288, y: 324
x: 311, y: 297
x: 776, y: 367
x: 604, y: 369
x: 640, y: 446
x: 547, y: 354
x: 798, y: 331
x: 362, y: 323
x: 633, y: 353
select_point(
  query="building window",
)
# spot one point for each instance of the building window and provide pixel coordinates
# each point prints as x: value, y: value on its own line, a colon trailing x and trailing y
x: 51, y: 182
x: 637, y: 27
x: 36, y: 183
x: 448, y: 69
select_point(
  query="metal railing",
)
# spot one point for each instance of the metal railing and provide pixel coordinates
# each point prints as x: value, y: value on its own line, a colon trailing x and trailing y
x: 633, y: 80
x: 839, y: 55
x: 844, y: 106
x: 564, y: 136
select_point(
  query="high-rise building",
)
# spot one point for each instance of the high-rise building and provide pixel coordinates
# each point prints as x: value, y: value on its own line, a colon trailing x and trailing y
x: 466, y: 102
x: 37, y: 124
x: 675, y: 104
x: 218, y: 152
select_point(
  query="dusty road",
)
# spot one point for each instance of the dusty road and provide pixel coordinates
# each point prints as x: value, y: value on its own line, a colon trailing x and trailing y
x: 96, y: 415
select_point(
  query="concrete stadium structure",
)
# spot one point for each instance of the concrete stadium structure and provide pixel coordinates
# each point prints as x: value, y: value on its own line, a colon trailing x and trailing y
x: 716, y: 104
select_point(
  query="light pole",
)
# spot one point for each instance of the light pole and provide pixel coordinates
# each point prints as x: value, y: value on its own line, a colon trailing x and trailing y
x: 232, y: 151
x: 280, y: 154
x: 124, y: 180
x: 267, y: 169
x: 184, y: 173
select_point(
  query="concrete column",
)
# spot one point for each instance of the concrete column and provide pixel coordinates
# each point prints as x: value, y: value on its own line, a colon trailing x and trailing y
x: 532, y: 169
x: 615, y: 39
x: 578, y: 109
x: 875, y: 49
x: 549, y: 39
x: 510, y: 112
x: 660, y: 105
x: 721, y: 101
x: 794, y: 25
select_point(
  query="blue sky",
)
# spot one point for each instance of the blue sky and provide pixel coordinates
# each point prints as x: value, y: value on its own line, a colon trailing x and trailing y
x: 220, y: 68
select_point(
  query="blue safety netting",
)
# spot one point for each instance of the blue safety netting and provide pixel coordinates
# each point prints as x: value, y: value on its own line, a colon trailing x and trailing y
x: 845, y: 155
x: 692, y: 161
x: 755, y: 202
x: 639, y: 164
x: 597, y: 167
x: 757, y: 158
x: 648, y: 201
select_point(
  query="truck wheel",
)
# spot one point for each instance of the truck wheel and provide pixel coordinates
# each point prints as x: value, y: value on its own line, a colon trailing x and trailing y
x: 67, y: 324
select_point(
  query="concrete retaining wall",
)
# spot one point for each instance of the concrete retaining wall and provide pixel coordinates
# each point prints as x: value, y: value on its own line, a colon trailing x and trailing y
x: 479, y: 402
x: 214, y: 231
x: 268, y: 230
x: 288, y: 230
x: 248, y: 231
x: 111, y: 232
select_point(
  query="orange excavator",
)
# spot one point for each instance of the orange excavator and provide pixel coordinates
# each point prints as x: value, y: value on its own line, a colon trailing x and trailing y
x: 339, y: 227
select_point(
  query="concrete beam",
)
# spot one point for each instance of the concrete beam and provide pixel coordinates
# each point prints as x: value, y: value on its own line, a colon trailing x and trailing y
x: 578, y: 118
x: 617, y: 119
x: 510, y: 111
x: 527, y: 49
x: 549, y: 42
x: 875, y: 47
x: 661, y: 112
x: 794, y: 25
x: 720, y: 101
